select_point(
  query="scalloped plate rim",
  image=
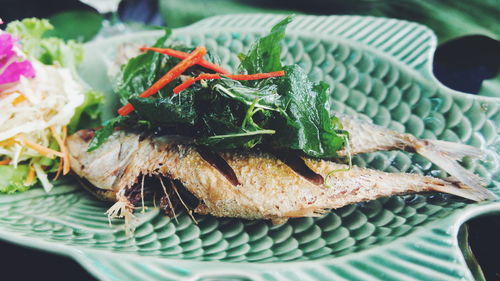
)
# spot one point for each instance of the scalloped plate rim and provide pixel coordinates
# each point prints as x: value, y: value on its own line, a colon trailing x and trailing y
x: 78, y: 253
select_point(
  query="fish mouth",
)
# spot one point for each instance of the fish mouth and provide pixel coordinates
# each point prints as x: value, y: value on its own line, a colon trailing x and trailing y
x: 99, y: 193
x: 160, y: 191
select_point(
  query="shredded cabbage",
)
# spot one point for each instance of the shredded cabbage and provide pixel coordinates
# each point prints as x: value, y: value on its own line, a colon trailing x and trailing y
x: 50, y: 99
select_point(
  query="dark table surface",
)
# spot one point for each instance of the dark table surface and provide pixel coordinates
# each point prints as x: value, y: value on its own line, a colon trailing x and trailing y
x: 21, y: 263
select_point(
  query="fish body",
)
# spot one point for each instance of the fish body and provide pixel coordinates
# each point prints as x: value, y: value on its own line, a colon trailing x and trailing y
x: 247, y: 184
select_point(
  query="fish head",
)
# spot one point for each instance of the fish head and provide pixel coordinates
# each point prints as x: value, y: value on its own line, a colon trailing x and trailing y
x: 103, y: 166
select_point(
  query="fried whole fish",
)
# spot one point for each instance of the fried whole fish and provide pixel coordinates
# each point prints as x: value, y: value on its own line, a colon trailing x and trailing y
x: 367, y: 137
x: 255, y: 185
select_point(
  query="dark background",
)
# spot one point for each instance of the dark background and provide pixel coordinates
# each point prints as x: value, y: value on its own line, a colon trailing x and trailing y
x: 460, y: 63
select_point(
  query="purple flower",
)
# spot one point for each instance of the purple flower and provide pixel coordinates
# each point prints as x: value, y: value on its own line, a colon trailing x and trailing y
x: 6, y: 46
x: 11, y: 65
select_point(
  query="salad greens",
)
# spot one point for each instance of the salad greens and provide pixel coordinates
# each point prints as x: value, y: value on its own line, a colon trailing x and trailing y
x: 12, y: 178
x: 49, y: 50
x: 33, y: 132
x: 288, y: 112
x: 88, y: 114
x: 55, y: 51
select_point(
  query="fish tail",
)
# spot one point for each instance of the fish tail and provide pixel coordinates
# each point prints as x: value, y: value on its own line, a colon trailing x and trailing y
x: 460, y: 189
x: 446, y: 155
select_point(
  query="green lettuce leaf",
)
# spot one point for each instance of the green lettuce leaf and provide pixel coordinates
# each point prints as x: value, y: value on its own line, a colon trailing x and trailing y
x: 88, y: 114
x: 12, y: 179
x: 47, y: 50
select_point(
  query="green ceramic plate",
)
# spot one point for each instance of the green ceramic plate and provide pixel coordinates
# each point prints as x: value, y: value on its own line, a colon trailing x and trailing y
x: 378, y: 69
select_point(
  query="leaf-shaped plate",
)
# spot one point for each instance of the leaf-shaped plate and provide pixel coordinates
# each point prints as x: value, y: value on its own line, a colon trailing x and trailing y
x: 379, y: 69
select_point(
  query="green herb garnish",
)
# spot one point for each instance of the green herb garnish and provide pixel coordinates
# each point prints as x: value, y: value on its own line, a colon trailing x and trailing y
x: 287, y: 112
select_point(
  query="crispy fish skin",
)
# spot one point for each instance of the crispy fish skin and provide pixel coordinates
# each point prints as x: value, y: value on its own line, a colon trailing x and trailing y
x: 268, y: 189
x: 271, y: 190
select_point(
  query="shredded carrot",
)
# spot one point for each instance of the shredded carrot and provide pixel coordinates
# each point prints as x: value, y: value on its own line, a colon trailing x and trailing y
x: 45, y: 151
x: 183, y: 55
x: 126, y: 109
x: 30, y: 177
x: 19, y: 99
x: 173, y: 73
x: 186, y: 84
x: 64, y: 150
x: 7, y: 93
x: 7, y: 142
x: 59, y: 169
x: 5, y: 161
x: 66, y: 166
x: 204, y: 76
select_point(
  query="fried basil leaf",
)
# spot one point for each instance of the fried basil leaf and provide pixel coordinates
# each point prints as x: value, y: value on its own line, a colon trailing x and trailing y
x: 288, y: 112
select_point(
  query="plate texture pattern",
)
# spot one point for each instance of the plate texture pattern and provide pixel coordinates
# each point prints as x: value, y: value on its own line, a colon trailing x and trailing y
x: 378, y: 69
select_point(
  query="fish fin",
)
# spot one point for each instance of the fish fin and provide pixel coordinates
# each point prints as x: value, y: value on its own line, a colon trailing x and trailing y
x: 462, y: 190
x: 454, y: 150
x: 122, y: 209
x: 445, y: 155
